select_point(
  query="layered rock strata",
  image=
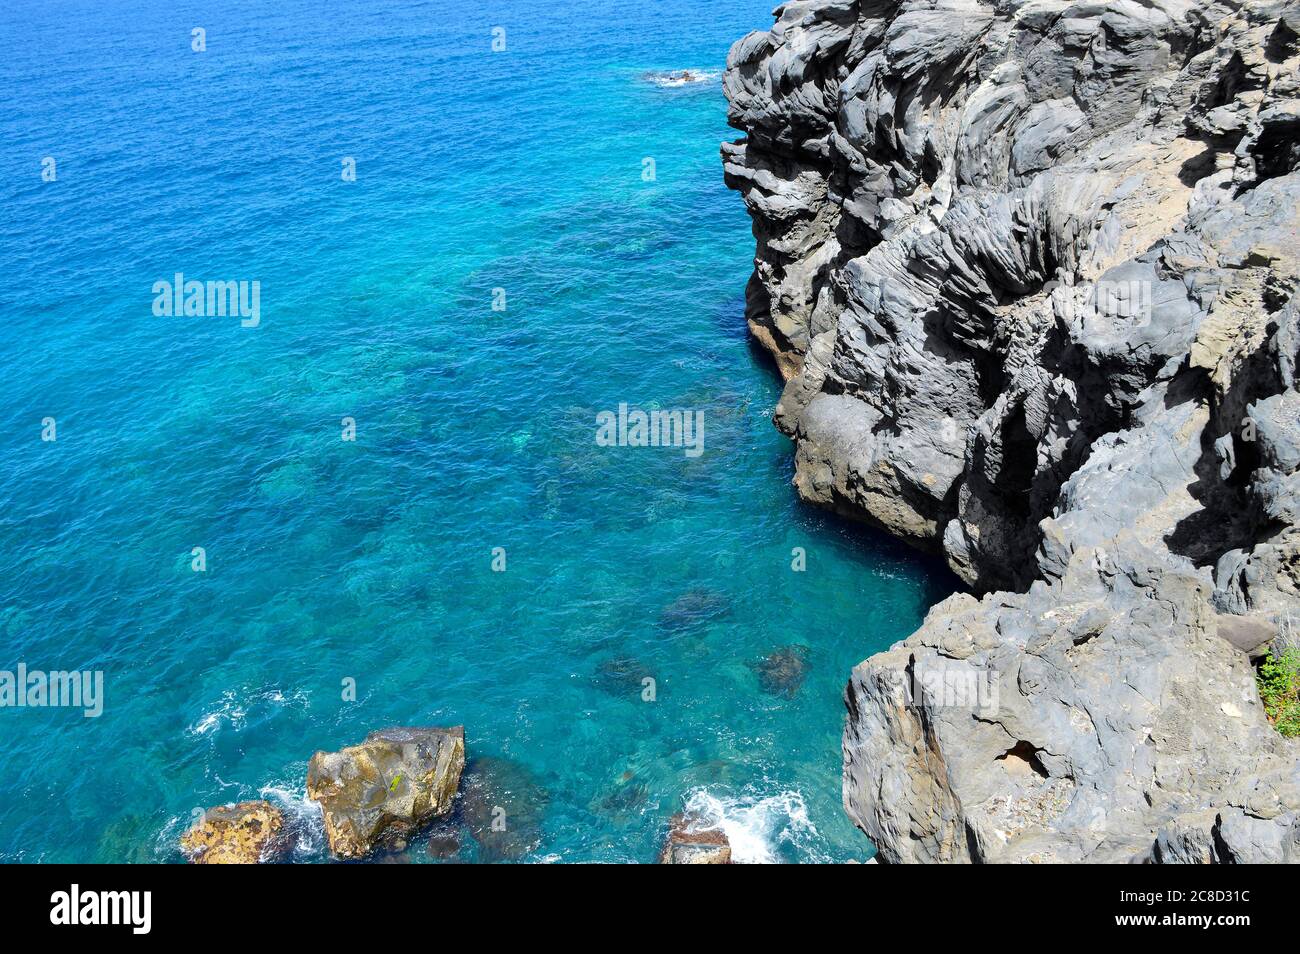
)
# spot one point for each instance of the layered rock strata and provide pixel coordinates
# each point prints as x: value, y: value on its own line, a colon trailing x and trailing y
x: 1029, y: 270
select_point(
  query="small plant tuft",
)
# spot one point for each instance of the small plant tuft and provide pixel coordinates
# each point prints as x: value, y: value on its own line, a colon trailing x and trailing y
x: 1279, y: 690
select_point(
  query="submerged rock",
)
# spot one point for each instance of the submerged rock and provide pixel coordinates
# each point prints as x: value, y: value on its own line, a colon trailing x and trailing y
x: 622, y: 675
x: 782, y: 672
x: 379, y: 793
x: 502, y: 805
x: 247, y: 833
x: 688, y: 844
x: 694, y: 606
x: 623, y: 800
x: 444, y: 843
x: 1031, y: 273
x: 128, y: 840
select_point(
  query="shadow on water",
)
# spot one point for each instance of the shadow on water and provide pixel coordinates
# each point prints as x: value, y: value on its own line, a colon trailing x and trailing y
x: 730, y: 319
x: 871, y: 545
x: 876, y: 547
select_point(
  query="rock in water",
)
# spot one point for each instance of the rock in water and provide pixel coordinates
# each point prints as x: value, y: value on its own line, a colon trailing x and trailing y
x: 688, y: 844
x: 378, y: 793
x: 781, y: 673
x: 128, y: 840
x: 694, y: 606
x: 623, y: 800
x: 622, y: 675
x: 1030, y: 272
x: 444, y: 842
x: 503, y: 805
x: 248, y: 833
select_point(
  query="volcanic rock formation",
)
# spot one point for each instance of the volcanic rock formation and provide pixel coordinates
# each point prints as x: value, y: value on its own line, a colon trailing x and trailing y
x: 1029, y: 270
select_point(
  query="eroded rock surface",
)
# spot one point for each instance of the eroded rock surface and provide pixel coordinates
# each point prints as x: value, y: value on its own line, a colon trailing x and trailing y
x: 247, y: 833
x: 377, y: 794
x: 690, y: 843
x: 1029, y: 269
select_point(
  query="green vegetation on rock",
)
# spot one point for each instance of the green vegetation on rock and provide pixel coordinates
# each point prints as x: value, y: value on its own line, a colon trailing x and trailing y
x: 1279, y: 689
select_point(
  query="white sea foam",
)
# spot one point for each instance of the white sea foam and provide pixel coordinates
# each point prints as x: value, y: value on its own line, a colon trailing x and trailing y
x: 233, y: 708
x: 671, y: 79
x: 209, y: 723
x: 303, y: 817
x: 762, y: 829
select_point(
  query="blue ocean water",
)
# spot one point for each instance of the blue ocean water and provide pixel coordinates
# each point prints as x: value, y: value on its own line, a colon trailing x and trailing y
x: 331, y: 562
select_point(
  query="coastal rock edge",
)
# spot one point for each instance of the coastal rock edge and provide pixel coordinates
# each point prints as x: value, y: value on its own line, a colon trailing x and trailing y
x: 1029, y: 271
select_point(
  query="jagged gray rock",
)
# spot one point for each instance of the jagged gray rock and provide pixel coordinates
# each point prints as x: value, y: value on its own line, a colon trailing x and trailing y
x: 1029, y: 269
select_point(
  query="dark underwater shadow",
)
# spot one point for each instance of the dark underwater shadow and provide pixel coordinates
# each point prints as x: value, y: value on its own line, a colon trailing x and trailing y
x: 876, y: 547
x: 870, y: 544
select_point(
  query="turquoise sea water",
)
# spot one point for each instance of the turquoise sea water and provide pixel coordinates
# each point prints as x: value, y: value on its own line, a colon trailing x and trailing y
x: 330, y: 560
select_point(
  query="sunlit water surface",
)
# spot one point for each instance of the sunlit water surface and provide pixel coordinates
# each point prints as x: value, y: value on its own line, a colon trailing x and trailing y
x: 329, y: 560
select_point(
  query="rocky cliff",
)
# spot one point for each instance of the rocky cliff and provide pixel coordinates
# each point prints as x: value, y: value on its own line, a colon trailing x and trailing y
x: 1029, y: 270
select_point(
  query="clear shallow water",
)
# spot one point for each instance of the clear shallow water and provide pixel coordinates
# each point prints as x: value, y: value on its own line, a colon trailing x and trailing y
x: 371, y: 561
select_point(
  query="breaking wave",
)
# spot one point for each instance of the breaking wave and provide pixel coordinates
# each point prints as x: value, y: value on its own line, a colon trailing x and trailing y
x: 762, y: 829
